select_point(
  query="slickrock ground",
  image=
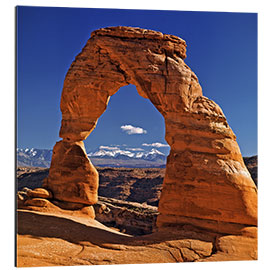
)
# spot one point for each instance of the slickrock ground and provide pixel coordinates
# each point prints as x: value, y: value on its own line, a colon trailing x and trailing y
x: 53, y: 239
x: 51, y: 235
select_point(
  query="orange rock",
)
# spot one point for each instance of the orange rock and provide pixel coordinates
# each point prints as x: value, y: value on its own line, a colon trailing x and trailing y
x: 69, y: 205
x: 37, y: 202
x: 45, y: 206
x: 206, y: 182
x: 63, y: 238
x: 39, y: 193
x: 231, y: 247
x: 72, y: 177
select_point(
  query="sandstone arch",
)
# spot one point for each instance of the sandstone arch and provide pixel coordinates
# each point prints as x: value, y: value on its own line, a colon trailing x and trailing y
x: 206, y: 182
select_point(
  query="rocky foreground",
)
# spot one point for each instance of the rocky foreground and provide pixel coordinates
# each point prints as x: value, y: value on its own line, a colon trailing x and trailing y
x: 54, y: 239
x: 49, y: 235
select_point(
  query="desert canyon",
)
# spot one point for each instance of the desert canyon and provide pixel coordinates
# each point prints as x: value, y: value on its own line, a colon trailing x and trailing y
x: 207, y: 207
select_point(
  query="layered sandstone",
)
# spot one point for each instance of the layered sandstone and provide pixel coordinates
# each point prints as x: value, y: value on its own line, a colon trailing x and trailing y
x: 206, y: 182
x: 75, y: 179
x: 40, y: 200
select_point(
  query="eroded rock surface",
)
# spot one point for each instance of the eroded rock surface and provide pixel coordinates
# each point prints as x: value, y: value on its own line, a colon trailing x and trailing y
x: 60, y: 239
x: 129, y: 217
x: 206, y: 182
x: 41, y: 200
x: 72, y: 177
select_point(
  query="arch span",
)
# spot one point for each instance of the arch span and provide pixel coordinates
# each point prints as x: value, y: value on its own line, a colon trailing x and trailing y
x: 206, y: 182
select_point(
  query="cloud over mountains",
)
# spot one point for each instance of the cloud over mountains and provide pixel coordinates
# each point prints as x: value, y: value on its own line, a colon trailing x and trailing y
x: 156, y: 144
x: 132, y: 153
x: 109, y: 147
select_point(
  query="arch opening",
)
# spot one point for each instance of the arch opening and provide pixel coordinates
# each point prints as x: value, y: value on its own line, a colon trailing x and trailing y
x: 131, y: 136
x: 130, y: 123
x: 204, y: 168
x: 129, y: 151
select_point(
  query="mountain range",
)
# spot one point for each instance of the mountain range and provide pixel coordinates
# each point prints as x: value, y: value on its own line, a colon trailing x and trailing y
x: 104, y: 156
x: 112, y: 156
x: 34, y: 157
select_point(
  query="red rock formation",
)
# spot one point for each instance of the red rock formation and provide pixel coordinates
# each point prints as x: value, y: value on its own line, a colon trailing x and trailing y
x: 206, y: 182
x: 65, y: 239
x: 72, y: 177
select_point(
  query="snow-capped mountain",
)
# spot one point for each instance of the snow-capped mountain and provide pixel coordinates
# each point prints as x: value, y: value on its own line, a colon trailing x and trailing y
x: 113, y: 156
x: 34, y: 157
x: 117, y: 153
x: 102, y: 156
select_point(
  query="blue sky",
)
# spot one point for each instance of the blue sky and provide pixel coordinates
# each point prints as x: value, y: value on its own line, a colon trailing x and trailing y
x: 221, y: 50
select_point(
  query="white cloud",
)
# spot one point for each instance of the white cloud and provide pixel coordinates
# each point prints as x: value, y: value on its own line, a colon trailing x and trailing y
x: 130, y: 130
x: 157, y: 144
x: 108, y: 147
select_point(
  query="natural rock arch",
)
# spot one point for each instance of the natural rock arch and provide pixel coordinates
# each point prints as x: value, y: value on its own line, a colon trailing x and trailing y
x: 206, y: 182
